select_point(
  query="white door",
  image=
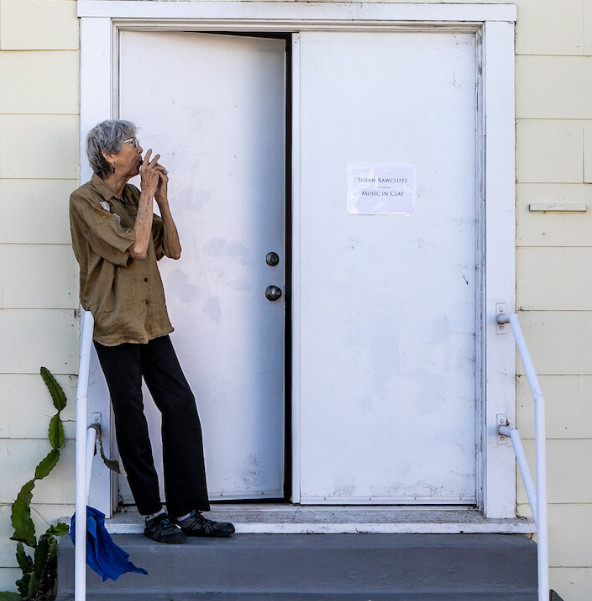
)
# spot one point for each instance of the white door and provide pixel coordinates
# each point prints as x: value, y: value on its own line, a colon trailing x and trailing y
x: 387, y: 301
x: 214, y: 107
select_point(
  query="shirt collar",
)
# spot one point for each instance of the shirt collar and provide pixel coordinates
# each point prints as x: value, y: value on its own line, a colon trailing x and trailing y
x: 101, y: 187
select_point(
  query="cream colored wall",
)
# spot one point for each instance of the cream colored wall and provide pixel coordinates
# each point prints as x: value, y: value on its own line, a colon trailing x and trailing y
x: 39, y: 167
x: 39, y: 106
x: 554, y: 258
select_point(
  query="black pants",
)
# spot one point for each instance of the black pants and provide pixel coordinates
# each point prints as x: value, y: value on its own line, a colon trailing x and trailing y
x: 182, y: 446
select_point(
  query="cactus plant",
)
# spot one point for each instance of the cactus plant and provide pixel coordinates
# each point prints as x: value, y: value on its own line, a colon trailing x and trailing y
x: 38, y: 581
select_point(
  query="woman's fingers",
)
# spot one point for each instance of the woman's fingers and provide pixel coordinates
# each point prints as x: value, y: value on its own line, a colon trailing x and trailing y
x: 153, y: 162
x: 146, y: 160
x: 151, y: 165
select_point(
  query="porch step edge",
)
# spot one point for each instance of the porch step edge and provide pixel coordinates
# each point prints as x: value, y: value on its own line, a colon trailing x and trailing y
x: 494, y: 527
x: 298, y: 519
x: 177, y: 596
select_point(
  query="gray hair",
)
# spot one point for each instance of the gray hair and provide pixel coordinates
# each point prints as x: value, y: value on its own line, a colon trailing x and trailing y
x: 106, y: 136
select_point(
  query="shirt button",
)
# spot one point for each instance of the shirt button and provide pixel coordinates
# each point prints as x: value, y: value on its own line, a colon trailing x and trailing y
x: 147, y: 302
x: 145, y: 279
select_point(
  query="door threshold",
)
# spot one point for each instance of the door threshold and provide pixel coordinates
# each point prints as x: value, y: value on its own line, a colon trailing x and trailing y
x: 317, y: 519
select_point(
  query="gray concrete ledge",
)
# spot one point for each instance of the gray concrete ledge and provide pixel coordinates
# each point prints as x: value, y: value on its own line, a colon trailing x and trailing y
x: 310, y: 519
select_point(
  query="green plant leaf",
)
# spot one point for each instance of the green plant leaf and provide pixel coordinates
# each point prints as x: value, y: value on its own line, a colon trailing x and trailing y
x: 41, y: 557
x: 8, y: 596
x: 57, y: 394
x: 46, y: 568
x: 56, y: 432
x: 23, y: 584
x: 24, y: 529
x: 32, y: 587
x: 47, y: 464
x: 25, y: 562
x: 53, y: 545
x: 58, y: 530
x: 38, y: 582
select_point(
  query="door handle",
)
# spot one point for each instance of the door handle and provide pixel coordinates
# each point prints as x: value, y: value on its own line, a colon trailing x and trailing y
x: 272, y: 293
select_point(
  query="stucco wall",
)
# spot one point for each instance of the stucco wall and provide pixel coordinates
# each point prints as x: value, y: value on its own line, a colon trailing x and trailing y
x: 39, y: 106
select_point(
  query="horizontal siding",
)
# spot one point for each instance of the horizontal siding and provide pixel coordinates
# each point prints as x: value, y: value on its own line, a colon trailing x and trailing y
x: 554, y: 87
x: 551, y: 278
x: 574, y: 583
x: 546, y: 27
x: 553, y: 262
x: 570, y: 532
x: 567, y: 403
x: 588, y: 152
x: 55, y: 74
x: 39, y: 337
x: 19, y: 457
x: 8, y: 577
x: 549, y: 150
x: 569, y: 470
x: 38, y: 276
x: 42, y: 215
x: 38, y: 25
x: 559, y: 341
x: 553, y: 229
x: 39, y: 167
x: 27, y: 406
x: 587, y: 27
x: 26, y: 154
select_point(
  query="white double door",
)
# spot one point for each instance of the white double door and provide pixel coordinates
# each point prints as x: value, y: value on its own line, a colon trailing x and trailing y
x: 382, y: 325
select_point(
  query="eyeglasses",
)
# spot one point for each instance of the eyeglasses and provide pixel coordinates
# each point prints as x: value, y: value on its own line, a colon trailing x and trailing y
x: 133, y: 141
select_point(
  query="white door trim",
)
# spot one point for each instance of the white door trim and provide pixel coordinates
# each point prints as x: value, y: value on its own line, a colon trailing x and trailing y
x: 495, y: 22
x: 289, y: 14
x: 499, y: 476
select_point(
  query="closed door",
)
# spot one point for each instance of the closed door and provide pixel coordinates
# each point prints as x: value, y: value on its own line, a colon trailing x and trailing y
x: 388, y: 290
x: 213, y: 106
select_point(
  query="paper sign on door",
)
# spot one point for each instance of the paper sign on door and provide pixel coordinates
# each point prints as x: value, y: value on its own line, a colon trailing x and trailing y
x: 381, y: 189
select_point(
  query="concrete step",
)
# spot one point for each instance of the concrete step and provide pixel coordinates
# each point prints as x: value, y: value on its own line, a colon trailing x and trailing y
x: 295, y: 567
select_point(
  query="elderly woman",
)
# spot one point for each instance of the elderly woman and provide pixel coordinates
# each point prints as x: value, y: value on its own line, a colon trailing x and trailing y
x: 117, y: 240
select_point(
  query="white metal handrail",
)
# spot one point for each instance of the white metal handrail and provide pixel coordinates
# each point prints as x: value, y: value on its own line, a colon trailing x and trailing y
x: 85, y: 447
x: 538, y: 498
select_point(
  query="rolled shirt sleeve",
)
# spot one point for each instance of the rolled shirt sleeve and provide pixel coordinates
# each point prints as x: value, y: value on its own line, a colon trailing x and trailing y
x: 103, y: 233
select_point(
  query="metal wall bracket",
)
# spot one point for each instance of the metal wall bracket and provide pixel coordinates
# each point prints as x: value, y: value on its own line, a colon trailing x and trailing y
x: 500, y: 309
x: 502, y: 420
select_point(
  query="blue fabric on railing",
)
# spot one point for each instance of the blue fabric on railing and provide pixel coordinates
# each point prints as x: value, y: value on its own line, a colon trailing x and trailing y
x: 102, y: 554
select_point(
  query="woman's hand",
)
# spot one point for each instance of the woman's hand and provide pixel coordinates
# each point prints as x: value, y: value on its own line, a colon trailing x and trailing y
x: 161, y: 189
x: 150, y: 174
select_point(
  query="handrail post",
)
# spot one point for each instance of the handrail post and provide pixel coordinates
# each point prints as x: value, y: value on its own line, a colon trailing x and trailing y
x: 541, y: 459
x: 86, y: 330
x: 514, y: 436
x: 541, y: 483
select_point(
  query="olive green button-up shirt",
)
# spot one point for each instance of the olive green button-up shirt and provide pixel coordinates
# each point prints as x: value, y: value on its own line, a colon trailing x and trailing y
x: 125, y: 295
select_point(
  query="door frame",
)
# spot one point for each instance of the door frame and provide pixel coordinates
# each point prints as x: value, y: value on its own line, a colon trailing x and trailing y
x: 493, y: 24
